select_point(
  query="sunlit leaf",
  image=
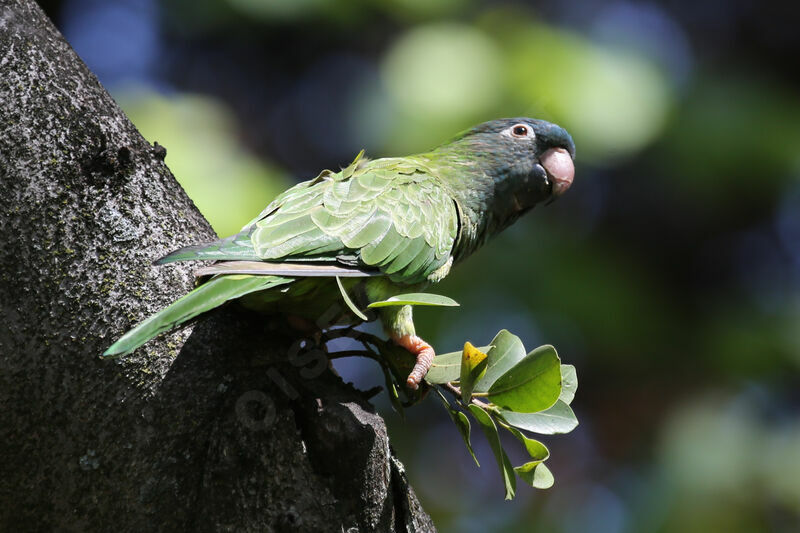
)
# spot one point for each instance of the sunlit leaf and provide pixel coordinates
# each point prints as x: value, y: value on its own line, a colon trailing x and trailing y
x: 416, y: 298
x: 490, y: 430
x: 447, y: 367
x: 505, y: 351
x: 473, y: 366
x: 462, y: 423
x: 569, y: 383
x: 531, y: 385
x: 556, y: 420
x: 536, y: 474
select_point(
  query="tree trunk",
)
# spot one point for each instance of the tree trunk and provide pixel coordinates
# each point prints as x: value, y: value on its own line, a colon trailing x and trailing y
x: 221, y: 428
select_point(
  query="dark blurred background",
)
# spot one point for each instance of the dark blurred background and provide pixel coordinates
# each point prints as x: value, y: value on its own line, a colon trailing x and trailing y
x: 669, y: 274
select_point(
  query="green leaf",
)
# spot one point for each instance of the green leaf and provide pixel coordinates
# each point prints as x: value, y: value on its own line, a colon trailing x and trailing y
x: 539, y: 453
x: 536, y: 474
x: 537, y: 450
x: 473, y: 366
x: 416, y: 298
x: 569, y: 383
x: 447, y: 367
x: 556, y: 420
x: 462, y: 423
x: 532, y: 385
x: 349, y: 302
x: 504, y: 352
x: 490, y: 430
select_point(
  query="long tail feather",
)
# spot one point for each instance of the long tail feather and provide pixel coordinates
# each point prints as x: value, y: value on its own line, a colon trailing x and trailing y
x: 212, y: 294
x: 235, y: 247
x: 300, y: 270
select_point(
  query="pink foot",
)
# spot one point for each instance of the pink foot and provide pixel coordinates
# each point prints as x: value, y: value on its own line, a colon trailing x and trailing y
x: 424, y: 354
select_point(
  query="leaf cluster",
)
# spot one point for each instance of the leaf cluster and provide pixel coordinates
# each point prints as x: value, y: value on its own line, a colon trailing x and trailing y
x: 499, y: 385
x: 503, y: 386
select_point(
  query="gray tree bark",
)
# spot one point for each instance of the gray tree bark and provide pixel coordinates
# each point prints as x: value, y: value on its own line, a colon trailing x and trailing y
x: 223, y: 427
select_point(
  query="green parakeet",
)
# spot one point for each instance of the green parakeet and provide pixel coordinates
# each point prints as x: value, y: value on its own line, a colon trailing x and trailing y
x: 375, y: 229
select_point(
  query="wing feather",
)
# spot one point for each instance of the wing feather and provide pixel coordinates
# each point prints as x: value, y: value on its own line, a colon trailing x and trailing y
x: 391, y: 214
x: 264, y: 268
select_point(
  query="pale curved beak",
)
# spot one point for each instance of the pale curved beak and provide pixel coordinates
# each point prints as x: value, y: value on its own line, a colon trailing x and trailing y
x: 560, y: 169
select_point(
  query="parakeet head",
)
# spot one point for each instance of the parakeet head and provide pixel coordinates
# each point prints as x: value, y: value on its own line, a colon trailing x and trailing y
x: 509, y: 165
x: 525, y: 152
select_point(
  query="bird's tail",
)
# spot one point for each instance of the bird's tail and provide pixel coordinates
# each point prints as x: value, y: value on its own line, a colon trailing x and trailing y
x: 212, y: 294
x: 237, y: 247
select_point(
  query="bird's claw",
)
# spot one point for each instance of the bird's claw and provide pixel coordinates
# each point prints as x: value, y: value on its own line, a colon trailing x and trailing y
x: 424, y: 354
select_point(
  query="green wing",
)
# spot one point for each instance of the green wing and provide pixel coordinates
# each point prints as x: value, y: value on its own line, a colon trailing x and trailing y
x: 391, y: 214
x: 388, y: 215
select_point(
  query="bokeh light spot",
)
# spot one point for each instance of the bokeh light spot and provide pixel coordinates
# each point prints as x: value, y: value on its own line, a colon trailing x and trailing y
x: 443, y: 70
x: 614, y: 102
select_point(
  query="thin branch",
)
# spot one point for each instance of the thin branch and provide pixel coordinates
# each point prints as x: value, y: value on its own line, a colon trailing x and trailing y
x: 353, y: 353
x: 456, y: 392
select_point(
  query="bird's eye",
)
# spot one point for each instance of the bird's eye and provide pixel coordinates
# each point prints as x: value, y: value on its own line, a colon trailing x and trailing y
x: 520, y: 130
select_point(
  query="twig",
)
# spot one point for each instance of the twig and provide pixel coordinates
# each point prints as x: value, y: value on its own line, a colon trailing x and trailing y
x: 353, y: 353
x: 456, y: 392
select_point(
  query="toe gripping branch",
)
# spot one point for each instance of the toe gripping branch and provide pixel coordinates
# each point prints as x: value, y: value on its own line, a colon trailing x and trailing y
x: 424, y: 354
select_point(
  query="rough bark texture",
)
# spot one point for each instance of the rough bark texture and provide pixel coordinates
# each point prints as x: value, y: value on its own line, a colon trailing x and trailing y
x: 220, y: 428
